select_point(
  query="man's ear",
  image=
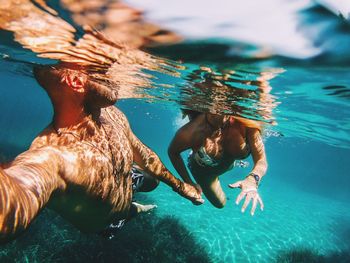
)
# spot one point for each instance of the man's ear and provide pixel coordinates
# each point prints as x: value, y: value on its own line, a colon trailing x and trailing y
x: 77, y: 83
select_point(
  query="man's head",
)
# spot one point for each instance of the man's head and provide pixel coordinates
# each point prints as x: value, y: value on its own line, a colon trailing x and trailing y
x: 65, y: 79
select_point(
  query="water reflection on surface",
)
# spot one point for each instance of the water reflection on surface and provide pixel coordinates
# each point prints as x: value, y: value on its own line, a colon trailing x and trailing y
x: 120, y: 22
x: 114, y: 64
x: 252, y: 90
x: 121, y: 65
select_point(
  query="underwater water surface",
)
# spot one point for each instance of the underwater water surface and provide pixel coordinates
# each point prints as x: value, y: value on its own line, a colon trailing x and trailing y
x: 306, y: 189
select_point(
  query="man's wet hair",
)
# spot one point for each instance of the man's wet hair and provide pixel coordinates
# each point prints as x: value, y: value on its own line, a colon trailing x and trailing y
x: 101, y: 92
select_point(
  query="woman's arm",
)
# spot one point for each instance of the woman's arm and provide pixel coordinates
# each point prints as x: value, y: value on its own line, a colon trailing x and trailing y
x: 258, y: 152
x: 180, y: 143
x: 249, y: 186
x: 25, y: 187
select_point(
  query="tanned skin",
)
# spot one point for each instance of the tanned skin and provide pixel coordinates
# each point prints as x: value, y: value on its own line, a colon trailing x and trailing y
x: 80, y: 164
x: 220, y: 135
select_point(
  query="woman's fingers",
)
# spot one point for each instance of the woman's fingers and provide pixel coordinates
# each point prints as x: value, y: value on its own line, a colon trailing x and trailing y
x: 236, y: 185
x: 246, y: 202
x: 255, y: 202
x: 250, y: 193
x: 261, y: 203
x: 240, y: 197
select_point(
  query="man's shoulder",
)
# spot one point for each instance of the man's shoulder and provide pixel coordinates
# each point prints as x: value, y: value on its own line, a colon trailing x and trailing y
x: 116, y: 116
x: 42, y: 138
x: 113, y: 109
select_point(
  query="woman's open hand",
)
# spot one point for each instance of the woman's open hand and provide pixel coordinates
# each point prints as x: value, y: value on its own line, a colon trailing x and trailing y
x: 249, y: 191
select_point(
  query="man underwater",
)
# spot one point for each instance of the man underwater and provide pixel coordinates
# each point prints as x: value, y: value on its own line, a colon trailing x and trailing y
x: 80, y: 164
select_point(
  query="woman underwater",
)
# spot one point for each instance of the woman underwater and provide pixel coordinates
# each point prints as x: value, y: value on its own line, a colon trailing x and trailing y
x: 217, y: 141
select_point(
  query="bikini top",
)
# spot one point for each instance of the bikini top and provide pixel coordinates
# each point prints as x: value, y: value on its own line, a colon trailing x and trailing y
x: 203, y: 159
x: 226, y: 125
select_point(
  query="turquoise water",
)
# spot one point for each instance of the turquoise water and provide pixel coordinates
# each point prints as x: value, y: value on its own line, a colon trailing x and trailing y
x: 305, y: 191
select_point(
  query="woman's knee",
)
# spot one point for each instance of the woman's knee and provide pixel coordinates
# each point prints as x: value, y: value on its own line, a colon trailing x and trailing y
x: 219, y: 203
x: 214, y: 193
x: 216, y: 198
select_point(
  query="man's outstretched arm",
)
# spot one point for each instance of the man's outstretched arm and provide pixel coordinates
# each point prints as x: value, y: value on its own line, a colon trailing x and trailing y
x: 25, y: 187
x: 181, y: 142
x: 150, y: 162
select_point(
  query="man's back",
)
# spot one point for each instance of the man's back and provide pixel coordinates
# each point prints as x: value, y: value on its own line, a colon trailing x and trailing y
x: 97, y: 159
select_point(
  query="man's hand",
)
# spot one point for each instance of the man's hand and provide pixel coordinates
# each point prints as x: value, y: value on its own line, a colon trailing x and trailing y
x: 198, y: 187
x: 191, y: 192
x: 250, y: 192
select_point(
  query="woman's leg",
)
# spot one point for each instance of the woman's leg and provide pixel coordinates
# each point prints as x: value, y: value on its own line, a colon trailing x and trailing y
x: 211, y: 189
x: 209, y: 183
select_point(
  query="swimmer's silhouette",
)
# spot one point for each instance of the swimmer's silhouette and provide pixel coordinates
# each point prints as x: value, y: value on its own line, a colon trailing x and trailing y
x: 81, y: 163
